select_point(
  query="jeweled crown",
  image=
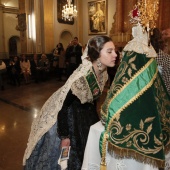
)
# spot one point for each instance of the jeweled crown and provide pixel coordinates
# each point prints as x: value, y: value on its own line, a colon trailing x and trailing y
x: 145, y: 12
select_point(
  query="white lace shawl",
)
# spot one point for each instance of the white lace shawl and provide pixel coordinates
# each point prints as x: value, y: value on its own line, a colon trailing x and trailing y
x: 139, y: 43
x: 49, y: 112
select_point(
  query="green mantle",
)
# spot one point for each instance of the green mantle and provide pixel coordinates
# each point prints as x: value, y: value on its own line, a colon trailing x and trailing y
x: 136, y: 112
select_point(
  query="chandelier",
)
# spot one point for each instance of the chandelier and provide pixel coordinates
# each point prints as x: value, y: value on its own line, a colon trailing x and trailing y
x: 69, y: 12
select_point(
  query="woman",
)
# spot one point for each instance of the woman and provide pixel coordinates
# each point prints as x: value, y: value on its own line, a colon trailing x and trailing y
x: 98, y: 19
x: 71, y: 110
x: 61, y: 57
x: 25, y: 68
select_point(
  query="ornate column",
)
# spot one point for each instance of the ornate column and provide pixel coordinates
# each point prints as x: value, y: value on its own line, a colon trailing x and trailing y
x: 121, y: 28
x: 117, y: 25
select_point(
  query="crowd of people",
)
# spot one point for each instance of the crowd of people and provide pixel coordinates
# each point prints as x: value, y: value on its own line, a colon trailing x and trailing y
x: 22, y: 68
x: 37, y: 69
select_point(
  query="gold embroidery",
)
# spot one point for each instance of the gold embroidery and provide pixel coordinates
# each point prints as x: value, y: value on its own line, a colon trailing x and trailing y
x: 162, y: 105
x: 120, y: 153
x: 135, y: 136
x: 128, y: 127
x: 103, y: 159
x: 125, y: 81
x: 117, y: 114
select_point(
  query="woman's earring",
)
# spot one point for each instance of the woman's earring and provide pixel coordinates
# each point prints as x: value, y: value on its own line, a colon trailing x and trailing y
x: 99, y: 65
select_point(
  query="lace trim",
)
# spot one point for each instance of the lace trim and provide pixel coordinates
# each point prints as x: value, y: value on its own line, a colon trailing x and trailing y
x: 140, y: 48
x: 79, y: 88
x: 139, y: 43
x: 120, y: 164
x: 167, y: 161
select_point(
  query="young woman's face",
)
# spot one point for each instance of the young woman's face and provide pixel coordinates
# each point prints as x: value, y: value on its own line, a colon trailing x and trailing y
x: 108, y: 55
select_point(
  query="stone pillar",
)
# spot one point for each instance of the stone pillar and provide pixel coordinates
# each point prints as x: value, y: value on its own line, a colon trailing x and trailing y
x: 39, y: 44
x: 48, y: 25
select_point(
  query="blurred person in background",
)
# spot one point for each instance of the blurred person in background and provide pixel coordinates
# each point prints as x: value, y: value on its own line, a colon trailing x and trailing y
x: 25, y: 68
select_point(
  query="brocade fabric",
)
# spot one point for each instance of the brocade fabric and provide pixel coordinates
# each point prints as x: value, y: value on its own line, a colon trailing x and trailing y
x: 136, y: 112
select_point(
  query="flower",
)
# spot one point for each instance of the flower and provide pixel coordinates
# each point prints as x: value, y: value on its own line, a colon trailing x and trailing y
x: 129, y: 144
x: 128, y: 127
x: 134, y: 15
x: 95, y: 91
x: 135, y: 12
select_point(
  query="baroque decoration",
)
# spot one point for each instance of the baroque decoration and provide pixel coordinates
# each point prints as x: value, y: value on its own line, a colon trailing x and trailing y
x: 145, y: 13
x: 21, y: 22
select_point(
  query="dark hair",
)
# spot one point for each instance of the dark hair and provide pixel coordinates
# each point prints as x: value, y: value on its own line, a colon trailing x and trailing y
x: 156, y: 40
x: 76, y: 38
x: 26, y: 59
x: 61, y: 48
x: 95, y: 45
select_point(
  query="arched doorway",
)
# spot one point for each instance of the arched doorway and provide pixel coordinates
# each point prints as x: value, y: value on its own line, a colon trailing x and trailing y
x: 14, y: 46
x: 65, y: 38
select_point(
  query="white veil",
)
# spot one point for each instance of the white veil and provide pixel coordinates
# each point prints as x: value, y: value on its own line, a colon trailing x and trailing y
x: 139, y: 43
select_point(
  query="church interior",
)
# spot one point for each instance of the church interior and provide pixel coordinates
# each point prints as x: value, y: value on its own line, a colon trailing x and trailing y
x: 35, y: 27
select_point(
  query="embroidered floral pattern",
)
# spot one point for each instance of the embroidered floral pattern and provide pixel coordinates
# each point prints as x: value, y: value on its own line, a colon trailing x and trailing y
x: 144, y: 137
x: 136, y: 136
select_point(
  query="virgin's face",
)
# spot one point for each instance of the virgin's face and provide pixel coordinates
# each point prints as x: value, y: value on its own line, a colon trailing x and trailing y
x: 108, y: 55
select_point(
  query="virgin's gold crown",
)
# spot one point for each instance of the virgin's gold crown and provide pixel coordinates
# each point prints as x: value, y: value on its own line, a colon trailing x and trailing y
x: 145, y: 12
